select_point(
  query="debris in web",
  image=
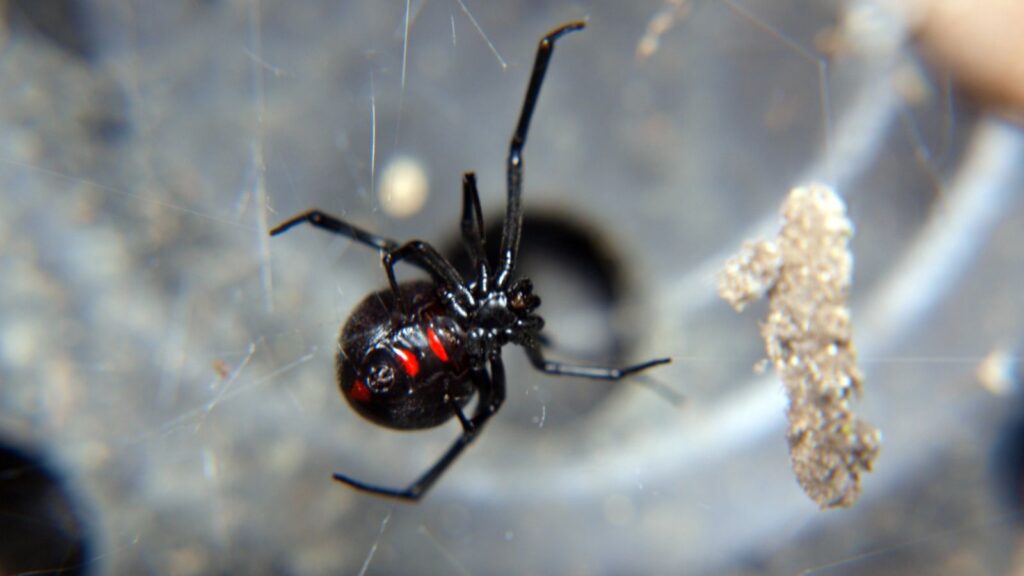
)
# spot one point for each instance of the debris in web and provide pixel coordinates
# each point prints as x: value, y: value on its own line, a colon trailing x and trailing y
x: 805, y: 272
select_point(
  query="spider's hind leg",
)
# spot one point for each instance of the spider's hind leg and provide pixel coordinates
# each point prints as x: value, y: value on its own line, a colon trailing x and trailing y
x: 492, y: 394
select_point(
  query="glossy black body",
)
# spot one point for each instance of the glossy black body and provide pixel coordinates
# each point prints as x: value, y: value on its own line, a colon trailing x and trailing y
x: 412, y: 356
x: 369, y: 349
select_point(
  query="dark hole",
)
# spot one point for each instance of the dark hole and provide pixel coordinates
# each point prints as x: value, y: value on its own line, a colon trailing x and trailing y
x: 1008, y: 463
x: 106, y: 120
x: 42, y: 531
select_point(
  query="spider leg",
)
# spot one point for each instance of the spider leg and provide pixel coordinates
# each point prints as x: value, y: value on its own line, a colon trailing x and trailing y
x: 536, y: 357
x: 419, y: 253
x: 416, y: 490
x: 492, y: 398
x: 492, y: 394
x: 467, y: 424
x: 330, y: 223
x: 426, y: 257
x: 514, y: 213
x: 473, y: 230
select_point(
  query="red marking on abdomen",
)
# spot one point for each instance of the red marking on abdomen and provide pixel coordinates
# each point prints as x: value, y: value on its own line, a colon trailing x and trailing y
x: 436, y: 346
x: 360, y: 392
x: 409, y: 362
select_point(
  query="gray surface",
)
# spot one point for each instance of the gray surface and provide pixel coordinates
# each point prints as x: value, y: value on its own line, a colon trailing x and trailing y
x: 134, y: 261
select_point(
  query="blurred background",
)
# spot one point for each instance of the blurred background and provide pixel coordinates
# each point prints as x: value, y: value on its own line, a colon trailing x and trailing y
x: 167, y: 393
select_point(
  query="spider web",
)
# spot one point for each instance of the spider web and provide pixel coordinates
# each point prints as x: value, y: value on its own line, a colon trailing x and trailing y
x: 178, y: 365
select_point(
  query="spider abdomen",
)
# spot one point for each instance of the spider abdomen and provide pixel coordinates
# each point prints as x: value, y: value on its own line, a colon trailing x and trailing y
x: 403, y: 366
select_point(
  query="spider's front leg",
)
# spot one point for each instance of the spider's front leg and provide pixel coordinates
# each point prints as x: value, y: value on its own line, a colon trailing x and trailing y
x: 472, y: 224
x: 513, y: 226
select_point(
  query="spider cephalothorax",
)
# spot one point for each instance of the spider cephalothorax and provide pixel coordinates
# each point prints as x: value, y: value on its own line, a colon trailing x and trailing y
x: 413, y: 355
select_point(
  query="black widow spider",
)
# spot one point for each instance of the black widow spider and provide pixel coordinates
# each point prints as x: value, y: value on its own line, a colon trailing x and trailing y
x: 412, y: 356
